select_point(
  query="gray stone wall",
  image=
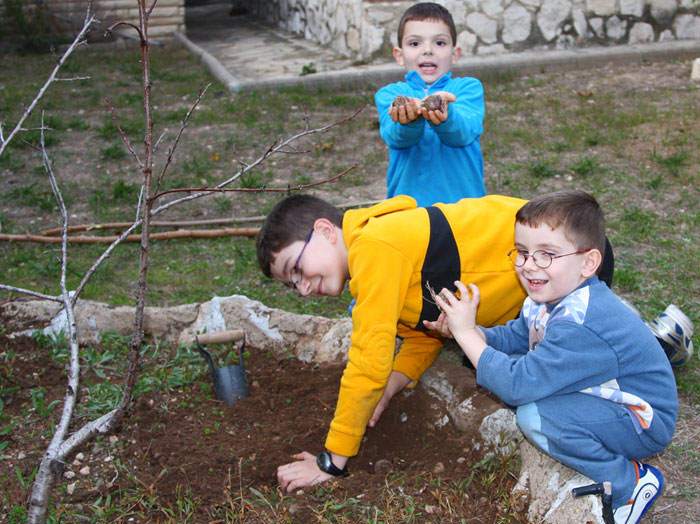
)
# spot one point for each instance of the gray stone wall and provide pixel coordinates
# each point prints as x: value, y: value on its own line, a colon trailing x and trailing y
x: 367, y: 29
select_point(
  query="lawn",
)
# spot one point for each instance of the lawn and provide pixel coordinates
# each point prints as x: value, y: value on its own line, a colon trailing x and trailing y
x: 630, y: 135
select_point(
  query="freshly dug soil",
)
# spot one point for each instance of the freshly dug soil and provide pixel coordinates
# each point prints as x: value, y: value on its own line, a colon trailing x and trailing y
x: 186, y: 443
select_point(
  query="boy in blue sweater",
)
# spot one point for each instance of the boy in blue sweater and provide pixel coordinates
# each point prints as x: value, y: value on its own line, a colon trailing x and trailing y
x: 434, y: 151
x: 592, y: 386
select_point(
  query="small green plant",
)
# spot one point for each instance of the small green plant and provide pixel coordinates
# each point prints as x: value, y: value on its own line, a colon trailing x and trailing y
x: 586, y: 166
x: 222, y: 204
x: 673, y: 163
x: 113, y: 152
x: 628, y: 279
x: 77, y: 124
x: 102, y: 397
x: 39, y: 404
x: 33, y: 195
x: 540, y: 169
x: 124, y: 191
x: 654, y: 183
x: 6, y: 426
x: 198, y: 165
x: 638, y: 223
x: 308, y: 69
x: 252, y: 180
x: 17, y: 515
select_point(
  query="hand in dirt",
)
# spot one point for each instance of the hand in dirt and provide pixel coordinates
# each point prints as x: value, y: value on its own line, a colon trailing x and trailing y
x: 300, y: 473
x: 405, y: 110
x: 397, y: 381
x: 439, y: 325
x: 434, y: 107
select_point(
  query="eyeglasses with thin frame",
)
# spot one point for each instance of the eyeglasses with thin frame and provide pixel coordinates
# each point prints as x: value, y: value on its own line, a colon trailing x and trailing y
x: 542, y: 259
x: 295, y: 272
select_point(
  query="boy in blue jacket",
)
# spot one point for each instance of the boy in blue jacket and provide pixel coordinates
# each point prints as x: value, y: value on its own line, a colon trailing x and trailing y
x: 592, y: 386
x: 434, y: 150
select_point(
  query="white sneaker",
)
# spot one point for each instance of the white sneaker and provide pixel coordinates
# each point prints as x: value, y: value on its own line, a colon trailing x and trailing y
x: 674, y: 329
x: 648, y: 488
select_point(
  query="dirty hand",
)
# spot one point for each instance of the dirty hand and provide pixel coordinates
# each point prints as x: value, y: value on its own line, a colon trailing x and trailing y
x: 405, y: 110
x: 438, y: 116
x: 300, y: 473
x: 439, y: 325
x: 397, y: 381
x: 460, y: 312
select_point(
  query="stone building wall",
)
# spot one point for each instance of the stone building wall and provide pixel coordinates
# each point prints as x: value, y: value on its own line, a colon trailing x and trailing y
x: 366, y: 29
x: 68, y: 15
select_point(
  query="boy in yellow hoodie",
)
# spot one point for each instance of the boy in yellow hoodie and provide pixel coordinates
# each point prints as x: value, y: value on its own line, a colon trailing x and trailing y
x: 393, y: 254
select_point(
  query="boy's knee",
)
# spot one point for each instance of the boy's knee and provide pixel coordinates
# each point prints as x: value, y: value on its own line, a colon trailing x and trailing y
x: 530, y: 423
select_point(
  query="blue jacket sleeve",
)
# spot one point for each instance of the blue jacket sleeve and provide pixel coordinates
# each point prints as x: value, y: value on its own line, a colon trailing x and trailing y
x: 512, y: 338
x: 569, y: 359
x: 394, y: 134
x: 465, y: 116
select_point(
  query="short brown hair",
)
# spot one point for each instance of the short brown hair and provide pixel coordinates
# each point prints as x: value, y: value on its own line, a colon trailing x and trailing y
x: 577, y: 212
x: 427, y: 11
x: 290, y: 220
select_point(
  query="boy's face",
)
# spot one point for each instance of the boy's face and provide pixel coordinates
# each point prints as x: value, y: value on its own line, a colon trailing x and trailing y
x: 564, y: 275
x: 321, y: 268
x: 427, y: 48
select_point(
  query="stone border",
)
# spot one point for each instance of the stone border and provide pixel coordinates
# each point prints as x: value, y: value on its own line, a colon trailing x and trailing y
x: 526, y: 62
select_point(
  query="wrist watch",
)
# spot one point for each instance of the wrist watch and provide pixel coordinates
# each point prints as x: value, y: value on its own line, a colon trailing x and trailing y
x: 325, y: 464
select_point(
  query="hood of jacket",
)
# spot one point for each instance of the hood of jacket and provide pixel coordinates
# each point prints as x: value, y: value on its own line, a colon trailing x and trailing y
x: 354, y: 220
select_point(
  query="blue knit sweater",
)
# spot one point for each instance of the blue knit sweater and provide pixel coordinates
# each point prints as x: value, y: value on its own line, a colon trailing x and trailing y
x: 432, y: 163
x: 589, y: 342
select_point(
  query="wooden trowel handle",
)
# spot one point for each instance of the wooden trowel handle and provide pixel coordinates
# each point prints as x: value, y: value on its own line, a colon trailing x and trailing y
x: 220, y: 337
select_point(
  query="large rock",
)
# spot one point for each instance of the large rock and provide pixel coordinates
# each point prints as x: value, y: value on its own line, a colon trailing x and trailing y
x: 516, y: 24
x: 551, y: 15
x: 544, y: 487
x: 455, y: 385
x: 663, y: 10
x: 615, y: 28
x: 632, y: 7
x: 687, y: 26
x: 483, y: 26
x: 601, y: 7
x: 641, y: 33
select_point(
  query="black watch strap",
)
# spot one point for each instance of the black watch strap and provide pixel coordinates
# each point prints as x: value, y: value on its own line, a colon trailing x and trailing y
x: 325, y: 464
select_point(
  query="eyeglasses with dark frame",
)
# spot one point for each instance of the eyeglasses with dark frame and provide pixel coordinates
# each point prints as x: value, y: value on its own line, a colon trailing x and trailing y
x: 295, y: 272
x: 542, y: 259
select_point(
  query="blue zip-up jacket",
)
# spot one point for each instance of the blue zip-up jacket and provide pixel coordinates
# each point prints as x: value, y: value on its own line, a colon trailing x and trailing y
x: 432, y: 163
x: 589, y: 342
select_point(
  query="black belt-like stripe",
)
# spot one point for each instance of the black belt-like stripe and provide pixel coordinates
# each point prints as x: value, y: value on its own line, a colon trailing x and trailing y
x: 441, y: 266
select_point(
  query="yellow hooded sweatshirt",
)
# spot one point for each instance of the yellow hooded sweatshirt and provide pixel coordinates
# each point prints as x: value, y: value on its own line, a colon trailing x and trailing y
x: 395, y: 250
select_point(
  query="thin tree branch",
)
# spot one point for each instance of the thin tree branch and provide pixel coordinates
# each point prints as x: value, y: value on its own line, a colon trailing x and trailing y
x: 150, y: 9
x: 51, y: 460
x: 188, y: 223
x: 89, y: 20
x: 263, y: 189
x: 167, y: 235
x: 72, y: 79
x: 183, y: 125
x: 30, y: 293
x: 122, y: 134
x: 277, y: 145
x: 111, y: 29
